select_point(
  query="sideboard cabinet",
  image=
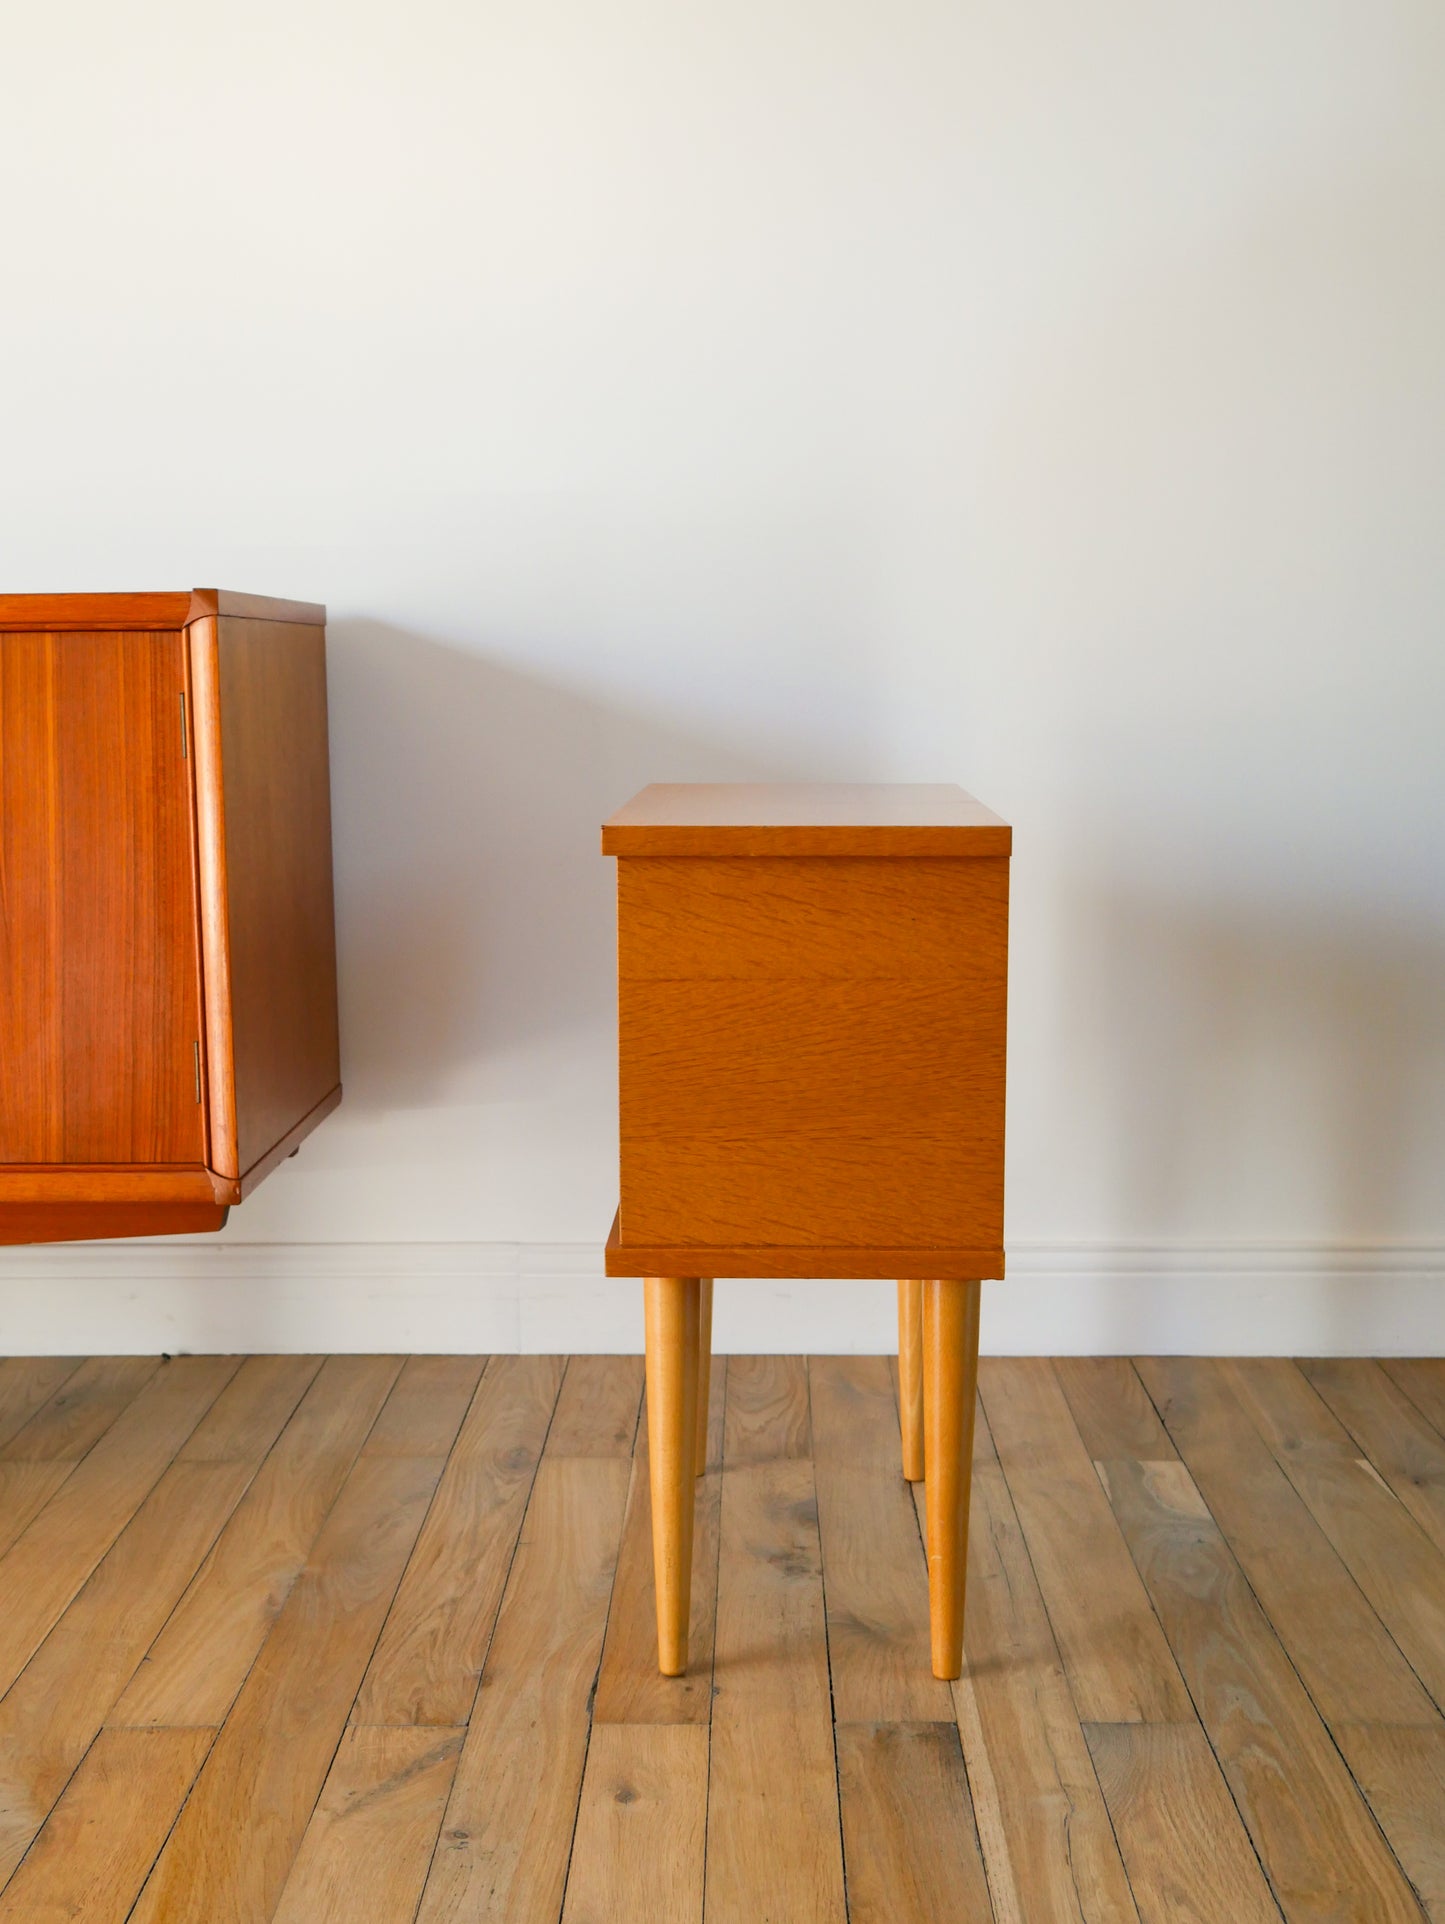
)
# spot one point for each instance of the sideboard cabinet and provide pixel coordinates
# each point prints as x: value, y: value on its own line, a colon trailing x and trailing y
x: 168, y: 1028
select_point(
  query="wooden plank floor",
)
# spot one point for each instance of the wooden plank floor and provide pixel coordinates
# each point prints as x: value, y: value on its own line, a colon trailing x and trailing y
x: 369, y: 1641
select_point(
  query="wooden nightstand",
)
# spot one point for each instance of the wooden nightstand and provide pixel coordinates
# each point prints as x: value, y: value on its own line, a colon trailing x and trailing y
x: 167, y: 947
x: 812, y: 989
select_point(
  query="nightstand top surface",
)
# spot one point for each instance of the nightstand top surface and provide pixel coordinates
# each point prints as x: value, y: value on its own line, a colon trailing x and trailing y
x: 805, y: 818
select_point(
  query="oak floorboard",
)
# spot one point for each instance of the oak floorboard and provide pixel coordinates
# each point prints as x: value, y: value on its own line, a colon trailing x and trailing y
x: 875, y: 1586
x: 1112, y: 1409
x: 503, y: 1851
x: 641, y: 1822
x: 1422, y: 1379
x: 1120, y: 1666
x: 46, y: 1566
x: 597, y: 1407
x: 1395, y: 1438
x: 51, y: 1714
x: 1396, y: 1565
x: 630, y: 1687
x: 365, y: 1854
x: 25, y: 1489
x: 81, y: 1408
x: 1188, y: 1856
x: 1325, y: 1858
x: 101, y: 1839
x: 767, y: 1409
x: 1347, y: 1660
x: 909, y: 1839
x: 774, y: 1844
x: 435, y: 1639
x: 26, y: 1382
x: 251, y: 1411
x: 233, y: 1845
x: 426, y: 1406
x: 1405, y: 1768
x: 1048, y: 1845
x: 199, y: 1661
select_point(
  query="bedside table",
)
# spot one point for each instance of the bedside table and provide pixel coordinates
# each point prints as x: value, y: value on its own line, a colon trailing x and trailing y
x: 812, y: 993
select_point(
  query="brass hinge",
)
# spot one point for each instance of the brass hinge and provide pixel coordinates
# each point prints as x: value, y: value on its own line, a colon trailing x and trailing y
x: 185, y: 749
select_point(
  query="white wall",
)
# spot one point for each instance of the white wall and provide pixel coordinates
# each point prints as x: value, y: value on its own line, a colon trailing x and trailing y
x: 1044, y: 397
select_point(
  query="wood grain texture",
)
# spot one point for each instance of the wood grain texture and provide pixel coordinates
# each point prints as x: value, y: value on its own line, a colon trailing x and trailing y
x: 53, y: 1711
x: 25, y: 1489
x: 1111, y: 1408
x: 46, y: 1566
x: 1309, y: 1825
x: 804, y: 818
x: 1346, y: 1659
x: 909, y: 1839
x: 935, y: 922
x: 268, y: 925
x: 79, y: 1411
x: 504, y: 1843
x: 597, y: 1407
x: 795, y: 1260
x: 630, y: 1688
x: 101, y: 1839
x: 1408, y: 1452
x: 105, y: 1222
x: 1404, y: 1769
x: 774, y: 1846
x: 638, y: 1849
x: 811, y: 1053
x: 99, y: 990
x: 768, y: 1413
x: 431, y: 1650
x: 1187, y: 1854
x: 251, y: 1411
x: 1047, y: 1841
x: 233, y: 1846
x: 172, y: 609
x: 26, y: 1384
x: 1119, y: 1664
x: 368, y: 1846
x: 1422, y: 1379
x: 1396, y: 1565
x: 199, y: 1661
x: 875, y: 1589
x: 426, y: 1406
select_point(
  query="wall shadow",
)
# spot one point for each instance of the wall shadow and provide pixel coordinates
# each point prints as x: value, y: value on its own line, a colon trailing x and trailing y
x: 474, y: 908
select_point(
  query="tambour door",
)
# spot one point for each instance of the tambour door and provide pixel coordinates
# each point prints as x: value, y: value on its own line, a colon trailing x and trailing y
x: 100, y: 1026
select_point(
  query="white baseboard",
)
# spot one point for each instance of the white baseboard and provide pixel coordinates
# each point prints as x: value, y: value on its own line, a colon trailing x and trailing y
x: 1060, y: 1299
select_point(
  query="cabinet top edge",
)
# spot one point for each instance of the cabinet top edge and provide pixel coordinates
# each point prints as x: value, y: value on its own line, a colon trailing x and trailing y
x: 805, y: 818
x: 107, y: 613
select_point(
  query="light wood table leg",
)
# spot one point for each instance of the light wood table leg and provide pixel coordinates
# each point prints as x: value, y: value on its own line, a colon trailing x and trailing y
x: 910, y: 1377
x: 672, y: 1359
x: 950, y: 1384
x: 704, y: 1368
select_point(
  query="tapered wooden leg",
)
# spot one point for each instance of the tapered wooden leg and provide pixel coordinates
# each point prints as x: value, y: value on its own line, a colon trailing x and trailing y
x: 704, y: 1368
x: 950, y: 1383
x: 672, y: 1357
x: 910, y: 1377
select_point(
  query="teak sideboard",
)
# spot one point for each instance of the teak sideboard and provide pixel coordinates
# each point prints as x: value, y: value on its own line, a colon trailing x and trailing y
x: 168, y: 1022
x: 812, y: 1000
